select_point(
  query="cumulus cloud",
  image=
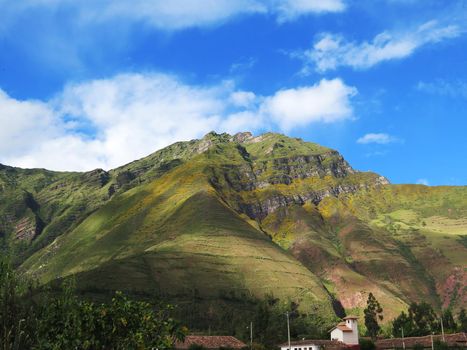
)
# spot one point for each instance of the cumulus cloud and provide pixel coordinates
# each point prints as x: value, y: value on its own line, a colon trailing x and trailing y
x: 328, y: 101
x: 24, y: 124
x: 173, y: 14
x: 243, y: 98
x: 379, y: 138
x: 332, y: 51
x: 108, y: 122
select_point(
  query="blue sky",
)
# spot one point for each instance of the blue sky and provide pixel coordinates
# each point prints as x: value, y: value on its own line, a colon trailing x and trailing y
x: 98, y: 84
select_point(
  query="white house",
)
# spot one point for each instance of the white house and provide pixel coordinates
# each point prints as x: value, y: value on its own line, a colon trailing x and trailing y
x: 311, y: 344
x: 343, y: 336
x: 346, y: 331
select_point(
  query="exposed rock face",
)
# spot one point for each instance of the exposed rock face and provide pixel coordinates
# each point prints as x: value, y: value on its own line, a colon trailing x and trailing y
x: 28, y: 228
x: 261, y: 209
x: 302, y: 167
x: 98, y: 177
x: 242, y: 137
x: 260, y: 174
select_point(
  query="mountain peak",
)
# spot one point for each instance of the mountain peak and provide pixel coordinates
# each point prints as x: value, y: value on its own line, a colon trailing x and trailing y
x: 241, y: 137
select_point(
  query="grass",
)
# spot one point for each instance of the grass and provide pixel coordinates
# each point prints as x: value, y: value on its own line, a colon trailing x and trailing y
x: 174, y: 235
x: 231, y: 222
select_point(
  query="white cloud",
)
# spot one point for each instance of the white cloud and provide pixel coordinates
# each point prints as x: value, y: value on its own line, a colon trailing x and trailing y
x: 25, y: 123
x: 108, y: 122
x: 379, y: 138
x: 454, y: 88
x: 170, y: 15
x: 423, y: 182
x: 243, y: 98
x: 291, y: 9
x: 332, y: 51
x: 328, y: 101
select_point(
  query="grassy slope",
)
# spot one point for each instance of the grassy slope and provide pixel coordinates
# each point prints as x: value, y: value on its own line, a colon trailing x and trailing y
x: 191, y: 220
x: 344, y: 243
x: 48, y: 203
x: 174, y: 235
x: 429, y: 223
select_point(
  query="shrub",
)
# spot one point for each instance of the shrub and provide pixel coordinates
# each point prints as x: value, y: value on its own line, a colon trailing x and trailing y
x: 367, y: 344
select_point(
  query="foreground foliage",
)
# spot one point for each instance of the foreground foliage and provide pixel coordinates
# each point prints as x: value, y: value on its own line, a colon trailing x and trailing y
x: 63, y: 321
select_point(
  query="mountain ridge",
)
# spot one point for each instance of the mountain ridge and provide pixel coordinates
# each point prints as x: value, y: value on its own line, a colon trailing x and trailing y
x: 346, y: 232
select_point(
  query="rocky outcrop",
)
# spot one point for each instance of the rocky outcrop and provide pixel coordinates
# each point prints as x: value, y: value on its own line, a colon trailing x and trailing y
x: 262, y: 173
x: 27, y: 228
x: 285, y: 169
x: 242, y: 137
x: 261, y: 209
x: 97, y: 177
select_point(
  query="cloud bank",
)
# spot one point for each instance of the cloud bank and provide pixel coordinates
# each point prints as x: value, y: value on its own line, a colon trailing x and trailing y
x: 332, y: 51
x: 169, y: 15
x: 108, y: 122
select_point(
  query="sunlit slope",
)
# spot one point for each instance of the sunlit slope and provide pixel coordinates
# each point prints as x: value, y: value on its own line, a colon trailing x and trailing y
x: 402, y: 242
x: 235, y: 217
x: 431, y: 225
x: 176, y: 236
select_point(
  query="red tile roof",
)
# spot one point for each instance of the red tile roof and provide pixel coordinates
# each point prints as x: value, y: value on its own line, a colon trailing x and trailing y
x: 342, y: 326
x: 451, y: 340
x: 210, y: 342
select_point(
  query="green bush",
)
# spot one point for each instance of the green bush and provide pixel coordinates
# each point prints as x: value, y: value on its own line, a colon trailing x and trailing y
x: 63, y: 321
x: 439, y: 345
x: 196, y: 347
x: 367, y: 344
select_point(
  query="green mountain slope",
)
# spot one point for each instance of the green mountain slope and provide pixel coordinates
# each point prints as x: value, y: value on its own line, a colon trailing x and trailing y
x: 231, y: 218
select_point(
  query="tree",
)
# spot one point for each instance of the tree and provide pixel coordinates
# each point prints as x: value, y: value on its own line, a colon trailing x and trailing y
x: 463, y: 320
x: 373, y: 313
x: 67, y: 322
x: 36, y: 318
x: 424, y: 318
x: 16, y: 309
x: 420, y: 320
x: 449, y: 324
x: 366, y: 344
x: 402, y: 324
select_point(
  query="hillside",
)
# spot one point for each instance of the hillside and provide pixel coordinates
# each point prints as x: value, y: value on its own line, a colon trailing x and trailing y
x: 227, y: 219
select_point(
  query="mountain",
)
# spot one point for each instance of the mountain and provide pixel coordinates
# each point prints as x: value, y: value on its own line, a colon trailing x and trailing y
x: 217, y: 223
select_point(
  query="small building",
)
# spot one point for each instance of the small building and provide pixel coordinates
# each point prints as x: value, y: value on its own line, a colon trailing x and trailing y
x: 343, y: 336
x: 313, y: 344
x: 210, y: 342
x: 346, y: 331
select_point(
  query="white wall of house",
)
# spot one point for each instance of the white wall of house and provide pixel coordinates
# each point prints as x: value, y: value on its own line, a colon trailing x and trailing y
x: 337, y: 334
x: 310, y: 346
x: 351, y: 337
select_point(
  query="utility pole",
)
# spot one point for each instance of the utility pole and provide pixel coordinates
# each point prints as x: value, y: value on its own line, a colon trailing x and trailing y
x: 251, y: 335
x: 403, y: 341
x: 442, y: 329
x: 288, y: 328
x: 432, y: 344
